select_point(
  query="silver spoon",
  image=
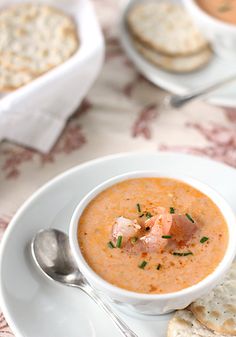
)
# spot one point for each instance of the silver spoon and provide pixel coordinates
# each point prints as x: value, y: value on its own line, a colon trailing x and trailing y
x: 51, y: 252
x: 177, y: 101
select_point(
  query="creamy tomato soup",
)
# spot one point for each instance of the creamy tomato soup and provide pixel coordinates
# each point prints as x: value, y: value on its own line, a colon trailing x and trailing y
x: 152, y: 235
x: 224, y: 10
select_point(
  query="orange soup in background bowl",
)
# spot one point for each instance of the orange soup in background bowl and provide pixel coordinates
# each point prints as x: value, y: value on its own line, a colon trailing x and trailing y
x: 217, y: 21
x: 224, y: 10
x: 153, y: 242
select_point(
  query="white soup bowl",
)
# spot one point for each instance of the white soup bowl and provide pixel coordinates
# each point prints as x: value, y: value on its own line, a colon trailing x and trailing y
x: 154, y: 304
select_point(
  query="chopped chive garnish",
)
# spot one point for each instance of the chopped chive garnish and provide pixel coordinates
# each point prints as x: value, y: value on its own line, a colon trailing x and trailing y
x: 182, y: 254
x: 188, y: 253
x: 189, y: 217
x: 119, y: 241
x: 111, y: 244
x: 138, y: 208
x: 141, y: 215
x: 143, y: 264
x: 166, y: 236
x: 158, y: 266
x: 133, y: 240
x: 204, y: 239
x: 172, y: 210
x: 148, y: 215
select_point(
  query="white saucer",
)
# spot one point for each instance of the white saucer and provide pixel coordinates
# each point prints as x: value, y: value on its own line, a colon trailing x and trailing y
x: 37, y: 307
x: 216, y: 70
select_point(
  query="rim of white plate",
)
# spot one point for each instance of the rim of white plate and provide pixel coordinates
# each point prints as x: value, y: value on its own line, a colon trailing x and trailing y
x: 55, y: 180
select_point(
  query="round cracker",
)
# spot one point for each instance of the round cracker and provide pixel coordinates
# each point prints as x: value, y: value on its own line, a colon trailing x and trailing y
x: 184, y: 324
x: 35, y: 38
x: 217, y: 310
x: 165, y: 27
x: 11, y: 80
x: 177, y: 64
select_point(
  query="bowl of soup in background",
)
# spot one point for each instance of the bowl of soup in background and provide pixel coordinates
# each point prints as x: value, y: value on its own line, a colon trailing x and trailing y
x: 121, y: 276
x: 217, y: 21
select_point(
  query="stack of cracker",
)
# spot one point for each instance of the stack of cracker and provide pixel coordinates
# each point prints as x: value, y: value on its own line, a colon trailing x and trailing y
x: 34, y: 39
x: 166, y: 36
x: 210, y: 316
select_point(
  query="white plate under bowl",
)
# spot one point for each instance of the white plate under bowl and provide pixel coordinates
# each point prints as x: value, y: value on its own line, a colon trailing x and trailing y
x: 216, y: 70
x: 36, y: 307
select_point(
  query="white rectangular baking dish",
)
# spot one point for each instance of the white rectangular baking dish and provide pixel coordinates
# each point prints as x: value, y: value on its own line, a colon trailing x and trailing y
x: 35, y: 114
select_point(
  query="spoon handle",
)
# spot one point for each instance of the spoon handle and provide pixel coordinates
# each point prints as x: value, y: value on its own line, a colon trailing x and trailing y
x: 126, y: 331
x: 177, y: 101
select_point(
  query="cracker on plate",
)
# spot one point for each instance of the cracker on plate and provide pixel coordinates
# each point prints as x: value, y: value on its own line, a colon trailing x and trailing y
x: 35, y: 37
x: 11, y: 80
x: 184, y: 324
x: 177, y: 64
x: 217, y: 310
x: 165, y: 27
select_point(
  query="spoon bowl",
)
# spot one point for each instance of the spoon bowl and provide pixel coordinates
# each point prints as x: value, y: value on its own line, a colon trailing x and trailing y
x: 51, y: 252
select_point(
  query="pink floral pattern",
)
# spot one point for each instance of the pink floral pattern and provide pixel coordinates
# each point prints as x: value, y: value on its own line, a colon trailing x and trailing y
x: 114, y: 48
x: 128, y: 88
x: 222, y: 145
x: 4, y: 221
x: 14, y: 157
x: 230, y: 113
x: 72, y: 139
x: 142, y: 125
x: 4, y: 327
x: 120, y: 113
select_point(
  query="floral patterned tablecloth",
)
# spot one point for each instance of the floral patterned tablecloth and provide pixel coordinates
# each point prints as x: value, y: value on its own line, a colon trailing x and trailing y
x: 122, y: 112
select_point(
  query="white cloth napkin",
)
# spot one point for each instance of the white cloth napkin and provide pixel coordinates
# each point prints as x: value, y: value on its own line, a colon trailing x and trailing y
x: 35, y: 115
